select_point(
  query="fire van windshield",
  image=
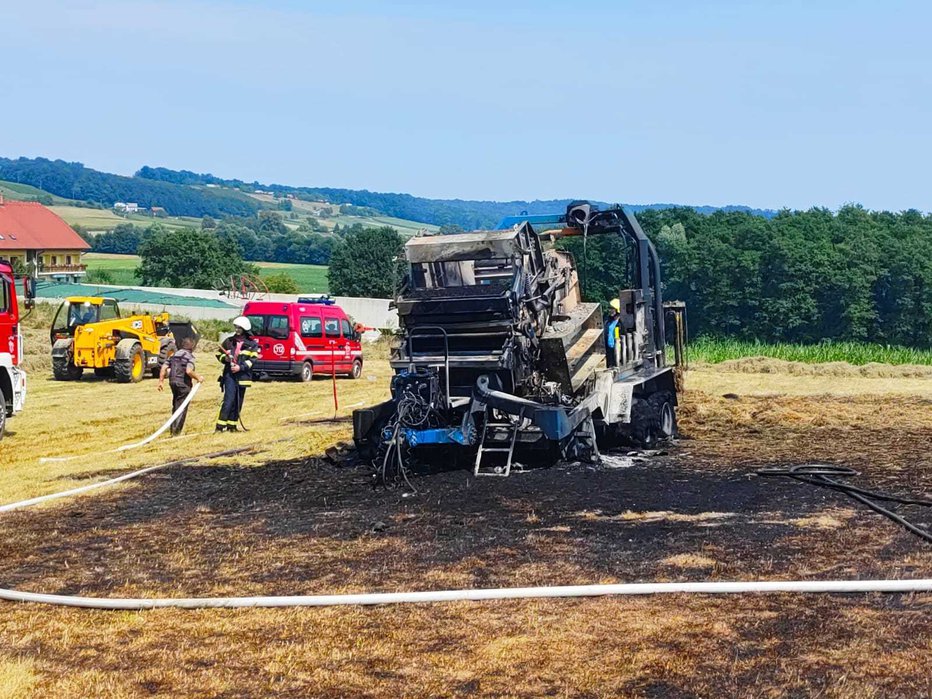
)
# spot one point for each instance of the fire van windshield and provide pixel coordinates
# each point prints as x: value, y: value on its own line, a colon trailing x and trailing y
x: 273, y: 326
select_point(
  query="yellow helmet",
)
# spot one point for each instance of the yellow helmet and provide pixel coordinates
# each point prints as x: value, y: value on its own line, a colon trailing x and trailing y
x: 616, y: 304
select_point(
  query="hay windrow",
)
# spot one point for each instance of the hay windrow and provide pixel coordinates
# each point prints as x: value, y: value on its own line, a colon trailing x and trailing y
x: 767, y: 365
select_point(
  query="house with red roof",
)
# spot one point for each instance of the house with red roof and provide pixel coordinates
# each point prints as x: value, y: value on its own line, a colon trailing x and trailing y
x: 36, y: 238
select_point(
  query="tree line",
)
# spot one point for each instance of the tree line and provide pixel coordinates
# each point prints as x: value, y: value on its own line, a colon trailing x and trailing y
x: 262, y: 238
x: 74, y: 181
x: 363, y: 261
x: 800, y: 276
x: 470, y: 214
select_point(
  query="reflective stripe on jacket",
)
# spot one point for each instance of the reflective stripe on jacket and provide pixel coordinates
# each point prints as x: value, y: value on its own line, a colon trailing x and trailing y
x: 248, y: 354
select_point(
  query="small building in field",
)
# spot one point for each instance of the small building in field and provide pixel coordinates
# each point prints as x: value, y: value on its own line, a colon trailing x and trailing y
x: 34, y: 237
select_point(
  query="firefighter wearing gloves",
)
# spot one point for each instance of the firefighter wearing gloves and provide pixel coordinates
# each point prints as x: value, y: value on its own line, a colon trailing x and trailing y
x: 237, y: 353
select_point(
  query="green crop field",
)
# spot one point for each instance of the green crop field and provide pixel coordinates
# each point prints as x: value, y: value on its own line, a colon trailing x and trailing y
x: 310, y: 278
x: 24, y: 192
x: 858, y: 353
x: 105, y: 219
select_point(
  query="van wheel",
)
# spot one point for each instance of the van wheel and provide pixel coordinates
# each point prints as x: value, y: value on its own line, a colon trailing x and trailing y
x: 307, y: 371
x: 356, y: 371
x: 2, y: 413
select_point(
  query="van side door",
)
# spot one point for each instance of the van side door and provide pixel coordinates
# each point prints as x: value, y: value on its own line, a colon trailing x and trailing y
x: 335, y: 344
x: 311, y: 332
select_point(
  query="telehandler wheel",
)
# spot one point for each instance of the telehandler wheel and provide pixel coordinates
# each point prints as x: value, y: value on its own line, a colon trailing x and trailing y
x: 130, y: 363
x: 104, y: 372
x: 644, y: 423
x: 665, y: 413
x: 64, y: 370
x: 307, y: 371
x: 167, y: 349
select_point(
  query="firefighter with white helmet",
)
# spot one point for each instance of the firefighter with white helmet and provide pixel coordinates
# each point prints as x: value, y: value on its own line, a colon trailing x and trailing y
x: 237, y: 353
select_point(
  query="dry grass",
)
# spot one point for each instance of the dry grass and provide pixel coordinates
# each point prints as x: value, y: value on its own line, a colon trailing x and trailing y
x: 762, y: 377
x: 282, y: 522
x: 91, y: 416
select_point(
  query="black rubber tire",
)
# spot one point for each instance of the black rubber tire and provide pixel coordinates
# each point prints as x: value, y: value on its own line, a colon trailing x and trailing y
x: 64, y: 370
x: 644, y: 423
x: 123, y: 368
x: 664, y: 410
x: 2, y: 413
x: 356, y: 371
x: 105, y: 372
x: 307, y: 372
x: 167, y: 348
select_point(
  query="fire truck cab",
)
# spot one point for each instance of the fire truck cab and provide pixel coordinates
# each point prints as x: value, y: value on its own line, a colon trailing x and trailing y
x: 310, y: 336
x: 12, y: 376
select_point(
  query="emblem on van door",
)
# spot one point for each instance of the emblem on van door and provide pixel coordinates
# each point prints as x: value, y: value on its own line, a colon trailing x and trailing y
x: 279, y: 348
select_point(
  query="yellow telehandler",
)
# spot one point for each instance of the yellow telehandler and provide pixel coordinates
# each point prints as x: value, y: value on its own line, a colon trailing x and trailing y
x: 88, y: 332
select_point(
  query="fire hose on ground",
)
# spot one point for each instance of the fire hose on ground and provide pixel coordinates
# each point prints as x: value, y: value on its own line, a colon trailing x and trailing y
x: 474, y: 595
x: 142, y: 442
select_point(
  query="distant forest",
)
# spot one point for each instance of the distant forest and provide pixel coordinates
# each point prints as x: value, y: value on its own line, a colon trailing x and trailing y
x: 74, y: 181
x: 801, y: 276
x: 185, y: 193
x: 804, y: 276
x: 461, y: 212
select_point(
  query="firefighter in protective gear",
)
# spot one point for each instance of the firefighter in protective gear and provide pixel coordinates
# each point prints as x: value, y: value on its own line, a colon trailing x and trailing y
x: 237, y: 353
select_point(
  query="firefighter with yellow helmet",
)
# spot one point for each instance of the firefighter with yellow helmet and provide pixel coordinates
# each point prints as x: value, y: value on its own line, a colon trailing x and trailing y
x: 612, y: 331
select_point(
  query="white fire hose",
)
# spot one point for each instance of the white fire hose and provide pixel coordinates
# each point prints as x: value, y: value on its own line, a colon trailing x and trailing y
x: 135, y: 445
x: 376, y: 598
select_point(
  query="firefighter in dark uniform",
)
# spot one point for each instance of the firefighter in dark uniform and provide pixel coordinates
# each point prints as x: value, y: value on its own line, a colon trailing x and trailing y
x: 237, y: 353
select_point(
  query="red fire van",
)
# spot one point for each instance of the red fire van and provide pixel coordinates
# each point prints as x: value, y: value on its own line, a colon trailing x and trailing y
x: 310, y: 336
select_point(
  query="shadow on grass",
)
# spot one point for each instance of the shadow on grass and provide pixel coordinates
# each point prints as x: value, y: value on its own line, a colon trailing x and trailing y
x: 293, y: 527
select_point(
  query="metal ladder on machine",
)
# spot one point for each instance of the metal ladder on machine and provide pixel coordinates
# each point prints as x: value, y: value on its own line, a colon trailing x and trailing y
x: 513, y: 427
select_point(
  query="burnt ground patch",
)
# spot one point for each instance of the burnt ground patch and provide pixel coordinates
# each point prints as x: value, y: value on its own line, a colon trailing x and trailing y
x: 301, y: 527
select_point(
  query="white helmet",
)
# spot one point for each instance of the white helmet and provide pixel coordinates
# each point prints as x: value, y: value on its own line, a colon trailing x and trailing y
x: 242, y: 322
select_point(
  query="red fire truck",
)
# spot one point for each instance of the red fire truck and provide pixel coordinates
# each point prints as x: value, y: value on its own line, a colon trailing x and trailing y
x: 307, y: 337
x: 12, y: 376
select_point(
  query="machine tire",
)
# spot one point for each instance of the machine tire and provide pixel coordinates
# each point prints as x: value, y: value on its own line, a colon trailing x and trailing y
x: 644, y: 423
x: 2, y: 412
x: 307, y: 372
x: 131, y: 366
x: 356, y: 371
x: 665, y: 413
x: 64, y: 370
x: 104, y: 372
x: 167, y: 348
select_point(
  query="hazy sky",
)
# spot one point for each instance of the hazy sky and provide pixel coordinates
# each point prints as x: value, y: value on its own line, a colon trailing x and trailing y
x: 768, y: 104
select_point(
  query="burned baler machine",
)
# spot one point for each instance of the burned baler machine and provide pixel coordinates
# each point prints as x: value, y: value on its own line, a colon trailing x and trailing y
x: 499, y: 352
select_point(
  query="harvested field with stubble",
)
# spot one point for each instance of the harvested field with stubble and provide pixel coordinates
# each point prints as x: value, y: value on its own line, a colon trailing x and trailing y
x: 284, y: 521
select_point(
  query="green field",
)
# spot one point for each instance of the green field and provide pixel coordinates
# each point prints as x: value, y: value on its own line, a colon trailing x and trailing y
x: 105, y: 219
x: 25, y: 192
x: 858, y: 353
x: 310, y: 278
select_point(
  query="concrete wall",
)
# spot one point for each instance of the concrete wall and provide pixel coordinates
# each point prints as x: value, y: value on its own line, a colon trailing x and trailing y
x: 373, y: 313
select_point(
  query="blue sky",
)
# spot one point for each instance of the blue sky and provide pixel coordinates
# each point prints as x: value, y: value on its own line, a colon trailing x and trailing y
x: 767, y: 104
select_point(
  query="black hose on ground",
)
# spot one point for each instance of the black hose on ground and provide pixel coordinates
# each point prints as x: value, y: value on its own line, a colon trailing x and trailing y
x: 823, y: 475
